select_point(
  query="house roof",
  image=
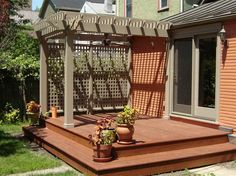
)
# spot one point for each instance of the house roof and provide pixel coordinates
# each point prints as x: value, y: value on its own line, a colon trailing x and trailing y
x: 32, y: 16
x: 96, y: 8
x: 70, y: 5
x: 214, y: 11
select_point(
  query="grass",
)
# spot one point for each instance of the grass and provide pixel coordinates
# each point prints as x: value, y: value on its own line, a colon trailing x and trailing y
x: 16, y: 156
x: 68, y: 173
x: 13, y: 128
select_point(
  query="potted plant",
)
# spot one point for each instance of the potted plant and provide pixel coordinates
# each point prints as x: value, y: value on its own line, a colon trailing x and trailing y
x: 102, y: 140
x: 125, y: 125
x: 32, y: 111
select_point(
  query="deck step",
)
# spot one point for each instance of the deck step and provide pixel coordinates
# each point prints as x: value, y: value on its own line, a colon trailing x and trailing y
x: 80, y: 156
x: 140, y: 148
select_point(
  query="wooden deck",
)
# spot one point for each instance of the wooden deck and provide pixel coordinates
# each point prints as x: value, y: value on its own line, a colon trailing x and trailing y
x: 161, y: 146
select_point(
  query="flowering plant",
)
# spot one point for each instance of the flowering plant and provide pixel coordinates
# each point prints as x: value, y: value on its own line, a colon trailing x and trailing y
x: 103, y: 134
x: 128, y: 116
x: 32, y: 107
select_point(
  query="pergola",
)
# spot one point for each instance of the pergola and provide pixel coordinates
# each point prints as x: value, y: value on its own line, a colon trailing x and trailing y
x: 72, y: 26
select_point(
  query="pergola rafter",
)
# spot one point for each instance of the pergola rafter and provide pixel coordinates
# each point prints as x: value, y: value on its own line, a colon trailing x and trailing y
x: 101, y: 24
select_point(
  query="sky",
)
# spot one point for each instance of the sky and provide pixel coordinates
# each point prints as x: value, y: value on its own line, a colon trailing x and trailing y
x: 37, y: 3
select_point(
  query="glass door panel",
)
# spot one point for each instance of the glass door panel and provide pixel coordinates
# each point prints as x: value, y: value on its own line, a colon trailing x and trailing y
x: 206, y: 78
x: 182, y: 78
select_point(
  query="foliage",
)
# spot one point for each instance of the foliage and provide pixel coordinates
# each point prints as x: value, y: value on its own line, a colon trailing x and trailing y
x: 103, y: 134
x: 9, y: 115
x: 9, y: 8
x: 16, y: 5
x: 128, y: 116
x: 32, y: 107
x: 4, y: 16
x: 20, y: 57
x: 16, y: 156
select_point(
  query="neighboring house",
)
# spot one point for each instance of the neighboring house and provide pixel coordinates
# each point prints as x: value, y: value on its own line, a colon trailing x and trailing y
x: 52, y: 6
x: 98, y: 8
x: 154, y: 9
x: 26, y: 15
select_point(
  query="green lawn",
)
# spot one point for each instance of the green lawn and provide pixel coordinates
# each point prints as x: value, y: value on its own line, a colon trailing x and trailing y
x: 68, y: 173
x: 16, y: 156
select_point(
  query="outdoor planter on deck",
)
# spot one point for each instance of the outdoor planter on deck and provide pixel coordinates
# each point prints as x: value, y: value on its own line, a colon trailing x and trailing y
x: 102, y: 141
x: 125, y: 125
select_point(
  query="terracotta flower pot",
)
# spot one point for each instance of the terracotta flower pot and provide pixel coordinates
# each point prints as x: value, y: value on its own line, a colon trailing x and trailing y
x: 54, y: 111
x: 125, y: 133
x: 102, y: 153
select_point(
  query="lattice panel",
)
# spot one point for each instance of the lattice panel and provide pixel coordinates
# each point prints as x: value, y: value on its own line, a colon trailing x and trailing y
x: 108, y: 72
x: 56, y: 75
x: 110, y: 77
x: 81, y: 76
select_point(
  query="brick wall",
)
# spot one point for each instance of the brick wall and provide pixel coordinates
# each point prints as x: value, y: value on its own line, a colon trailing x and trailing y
x: 148, y: 76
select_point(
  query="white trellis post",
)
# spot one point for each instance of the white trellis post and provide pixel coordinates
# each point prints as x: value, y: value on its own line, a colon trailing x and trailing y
x: 43, y: 74
x: 68, y: 93
x: 90, y: 107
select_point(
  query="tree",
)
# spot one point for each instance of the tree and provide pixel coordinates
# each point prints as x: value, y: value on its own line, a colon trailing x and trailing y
x: 7, y: 27
x: 4, y: 16
x: 19, y: 52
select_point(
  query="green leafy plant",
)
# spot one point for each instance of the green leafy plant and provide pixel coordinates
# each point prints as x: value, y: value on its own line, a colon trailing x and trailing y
x: 128, y: 116
x: 10, y: 114
x: 103, y: 134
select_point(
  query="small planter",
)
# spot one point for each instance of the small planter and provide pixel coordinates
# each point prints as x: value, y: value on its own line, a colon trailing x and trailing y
x: 34, y: 118
x: 102, y: 153
x: 54, y: 111
x: 125, y: 134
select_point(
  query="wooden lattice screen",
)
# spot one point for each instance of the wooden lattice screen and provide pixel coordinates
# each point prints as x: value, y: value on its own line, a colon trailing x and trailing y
x: 100, y: 77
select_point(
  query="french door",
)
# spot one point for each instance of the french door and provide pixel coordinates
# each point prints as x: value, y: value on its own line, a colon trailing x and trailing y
x: 194, y: 77
x: 205, y: 78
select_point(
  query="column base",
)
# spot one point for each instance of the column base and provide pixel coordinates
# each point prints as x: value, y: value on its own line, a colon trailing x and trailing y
x: 71, y: 125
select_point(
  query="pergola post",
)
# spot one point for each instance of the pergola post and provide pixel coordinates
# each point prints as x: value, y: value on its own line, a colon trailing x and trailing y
x: 90, y: 107
x: 129, y: 76
x: 43, y: 75
x: 68, y: 93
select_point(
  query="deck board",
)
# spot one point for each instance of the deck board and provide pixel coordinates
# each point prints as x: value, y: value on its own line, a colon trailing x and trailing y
x: 148, y: 130
x: 161, y: 146
x: 83, y: 154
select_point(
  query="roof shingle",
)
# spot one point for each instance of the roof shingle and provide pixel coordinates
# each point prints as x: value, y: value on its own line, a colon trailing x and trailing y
x: 206, y: 12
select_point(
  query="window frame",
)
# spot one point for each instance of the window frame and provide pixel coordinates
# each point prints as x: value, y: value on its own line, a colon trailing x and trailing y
x: 126, y: 7
x: 160, y: 8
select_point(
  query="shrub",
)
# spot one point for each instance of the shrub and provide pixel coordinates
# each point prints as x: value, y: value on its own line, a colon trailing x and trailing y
x: 9, y: 114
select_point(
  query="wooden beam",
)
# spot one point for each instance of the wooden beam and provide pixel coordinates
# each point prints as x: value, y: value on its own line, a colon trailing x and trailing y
x: 129, y: 80
x: 102, y: 24
x: 90, y: 103
x: 43, y: 88
x: 68, y: 93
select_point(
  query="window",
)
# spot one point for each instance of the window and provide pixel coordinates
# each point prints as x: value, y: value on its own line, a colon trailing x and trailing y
x: 163, y: 4
x: 128, y: 8
x: 187, y: 4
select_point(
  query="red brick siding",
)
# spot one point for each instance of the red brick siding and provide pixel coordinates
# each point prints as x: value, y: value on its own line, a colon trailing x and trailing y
x: 148, y: 76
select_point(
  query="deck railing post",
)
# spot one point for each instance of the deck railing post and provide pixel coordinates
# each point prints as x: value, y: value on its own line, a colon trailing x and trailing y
x: 69, y: 77
x: 43, y: 88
